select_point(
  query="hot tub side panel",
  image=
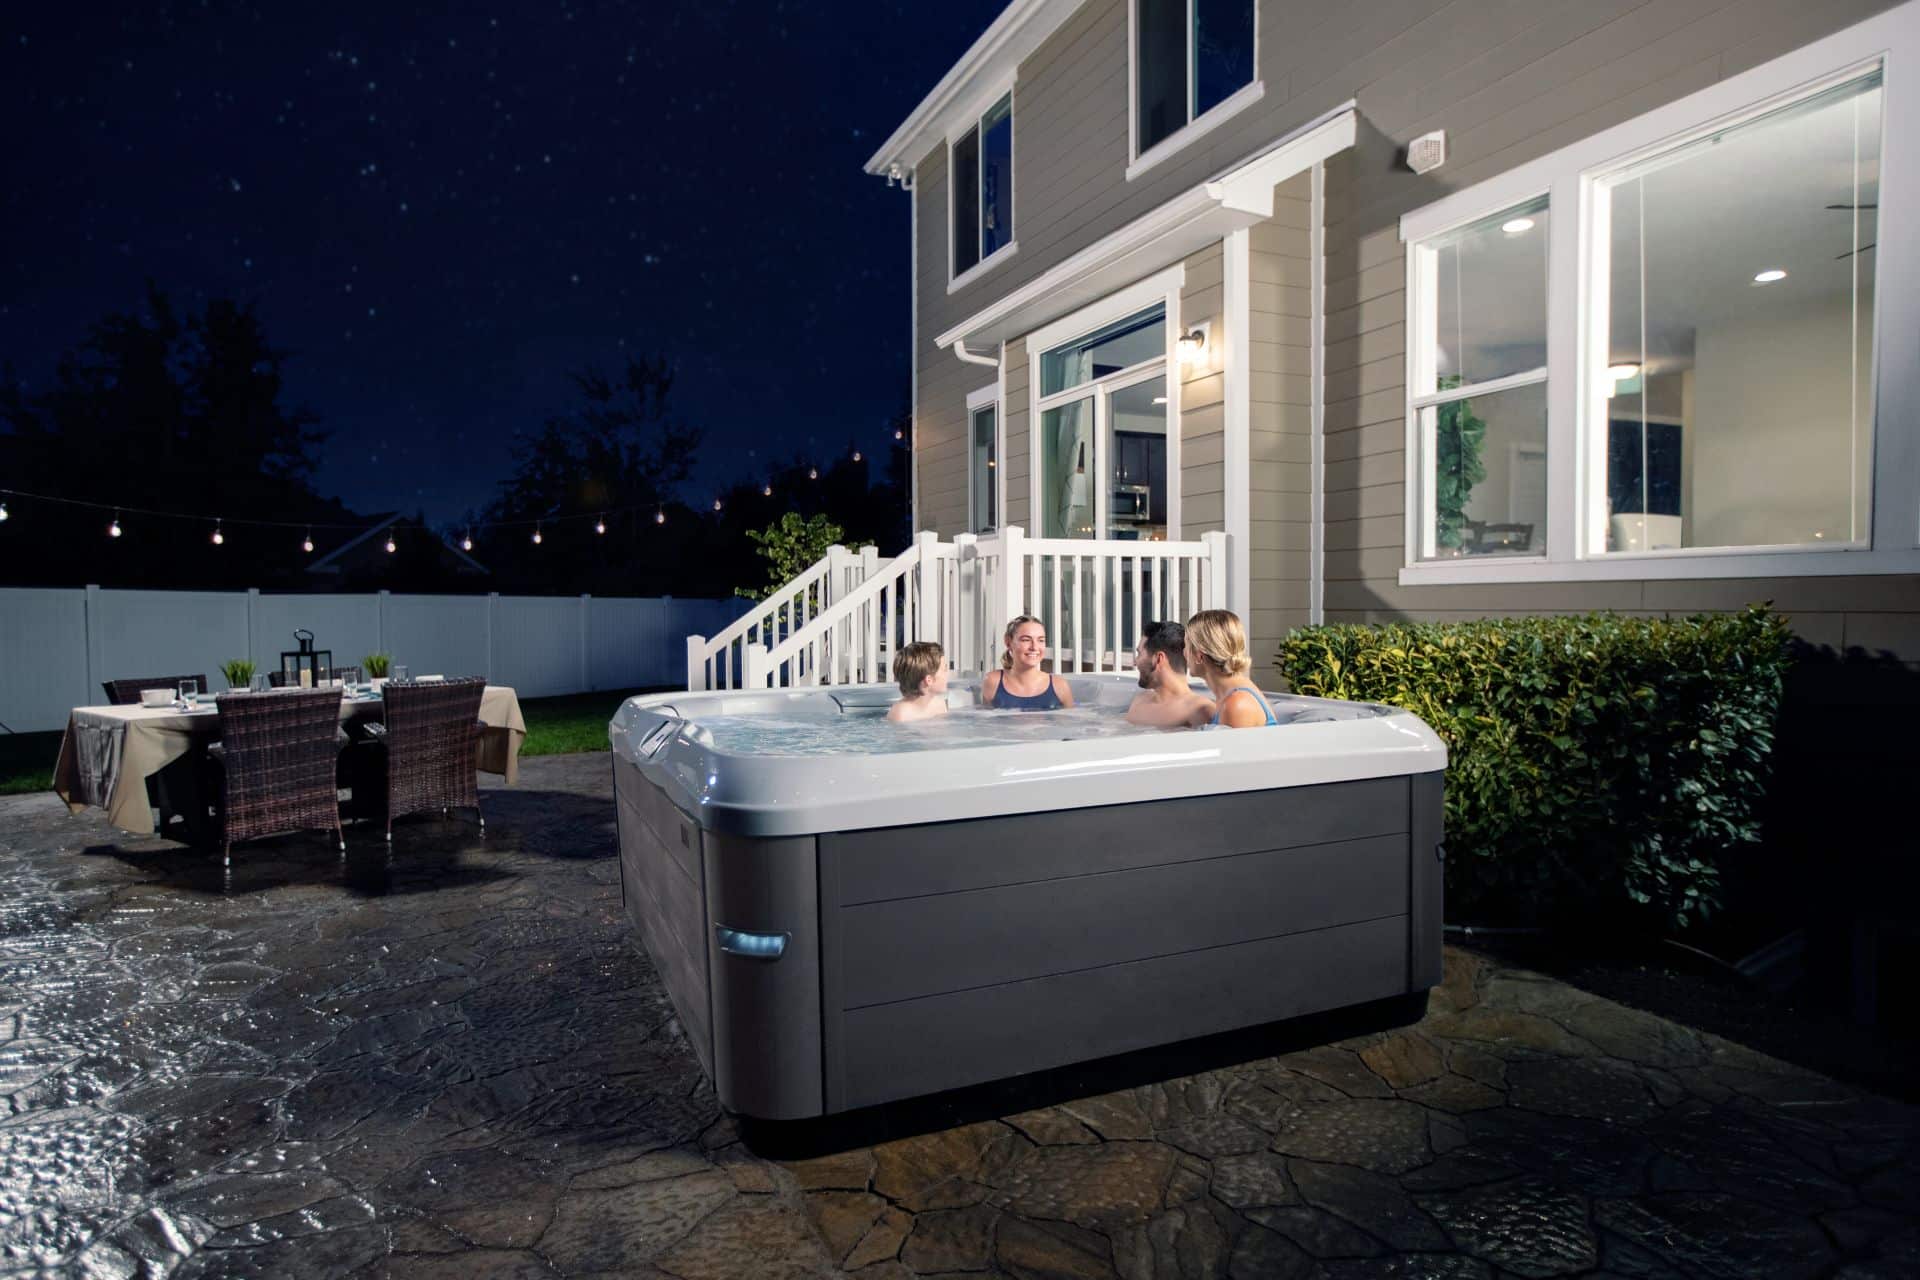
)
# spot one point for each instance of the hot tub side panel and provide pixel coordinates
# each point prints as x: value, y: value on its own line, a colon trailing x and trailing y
x: 660, y: 886
x: 967, y: 951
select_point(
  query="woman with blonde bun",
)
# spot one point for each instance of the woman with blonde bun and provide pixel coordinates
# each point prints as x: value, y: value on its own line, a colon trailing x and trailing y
x: 1217, y: 653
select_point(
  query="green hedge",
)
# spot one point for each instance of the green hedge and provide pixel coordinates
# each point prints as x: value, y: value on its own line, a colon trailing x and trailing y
x: 1595, y: 764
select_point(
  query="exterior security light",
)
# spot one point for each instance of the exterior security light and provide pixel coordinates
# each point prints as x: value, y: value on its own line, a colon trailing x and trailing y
x: 1770, y: 275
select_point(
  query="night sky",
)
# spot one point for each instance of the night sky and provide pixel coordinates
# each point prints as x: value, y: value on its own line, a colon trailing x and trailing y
x: 441, y: 210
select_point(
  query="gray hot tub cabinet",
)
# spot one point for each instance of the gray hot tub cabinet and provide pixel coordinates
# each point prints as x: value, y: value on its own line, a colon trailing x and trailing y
x: 818, y: 971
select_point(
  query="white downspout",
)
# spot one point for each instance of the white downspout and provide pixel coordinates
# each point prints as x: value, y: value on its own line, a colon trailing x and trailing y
x: 960, y: 349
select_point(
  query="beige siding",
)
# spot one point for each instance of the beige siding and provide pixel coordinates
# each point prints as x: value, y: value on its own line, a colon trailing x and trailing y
x: 1280, y: 353
x: 1203, y: 418
x: 1509, y: 80
x: 1019, y: 459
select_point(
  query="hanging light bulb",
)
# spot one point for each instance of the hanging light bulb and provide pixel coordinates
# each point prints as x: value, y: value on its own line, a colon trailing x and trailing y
x: 898, y: 434
x: 3, y: 511
x: 390, y: 547
x: 716, y: 504
x: 856, y: 455
x: 536, y: 535
x: 306, y: 543
x: 659, y: 516
x: 766, y: 491
x: 113, y: 530
x: 466, y: 543
x: 600, y: 525
x: 219, y: 538
x: 813, y: 473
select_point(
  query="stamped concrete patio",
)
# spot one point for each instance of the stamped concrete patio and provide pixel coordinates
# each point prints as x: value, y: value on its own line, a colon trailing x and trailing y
x: 456, y: 1064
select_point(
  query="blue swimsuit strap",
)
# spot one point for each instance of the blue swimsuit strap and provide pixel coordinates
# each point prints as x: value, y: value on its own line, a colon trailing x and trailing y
x: 1240, y: 688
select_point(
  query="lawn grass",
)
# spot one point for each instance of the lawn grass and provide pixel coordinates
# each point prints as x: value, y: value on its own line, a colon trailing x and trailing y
x: 572, y: 723
x: 26, y: 761
x: 555, y: 726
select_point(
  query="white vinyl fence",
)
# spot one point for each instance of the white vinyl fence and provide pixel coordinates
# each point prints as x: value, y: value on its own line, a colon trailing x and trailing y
x: 58, y: 644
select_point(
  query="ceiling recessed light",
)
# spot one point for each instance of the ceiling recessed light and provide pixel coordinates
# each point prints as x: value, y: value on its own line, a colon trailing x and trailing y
x: 1514, y: 226
x: 1621, y: 372
x: 1770, y: 275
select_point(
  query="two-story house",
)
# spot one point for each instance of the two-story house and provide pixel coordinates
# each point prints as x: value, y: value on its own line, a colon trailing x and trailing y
x: 1435, y: 309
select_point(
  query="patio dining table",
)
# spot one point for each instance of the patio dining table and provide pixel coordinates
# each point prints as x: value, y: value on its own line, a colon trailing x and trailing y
x: 108, y: 753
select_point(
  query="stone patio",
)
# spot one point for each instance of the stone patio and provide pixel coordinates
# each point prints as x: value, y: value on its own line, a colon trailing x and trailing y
x: 455, y: 1063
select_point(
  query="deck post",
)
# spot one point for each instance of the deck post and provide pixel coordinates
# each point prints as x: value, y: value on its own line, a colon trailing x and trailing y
x: 1217, y: 576
x: 696, y: 664
x: 926, y: 613
x: 1012, y: 590
x: 754, y: 672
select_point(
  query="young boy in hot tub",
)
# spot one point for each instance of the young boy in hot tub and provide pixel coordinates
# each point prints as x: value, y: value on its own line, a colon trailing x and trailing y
x: 921, y: 670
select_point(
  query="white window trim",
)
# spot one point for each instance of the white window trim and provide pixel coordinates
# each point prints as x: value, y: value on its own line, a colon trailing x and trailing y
x: 1163, y: 288
x: 1569, y: 177
x: 1201, y: 125
x: 1007, y: 89
x: 990, y: 396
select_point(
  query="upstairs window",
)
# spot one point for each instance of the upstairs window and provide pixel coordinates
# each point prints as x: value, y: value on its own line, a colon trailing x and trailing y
x: 1189, y: 57
x: 983, y: 188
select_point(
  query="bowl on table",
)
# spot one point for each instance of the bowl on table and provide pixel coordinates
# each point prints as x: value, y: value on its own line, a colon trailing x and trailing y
x: 157, y: 697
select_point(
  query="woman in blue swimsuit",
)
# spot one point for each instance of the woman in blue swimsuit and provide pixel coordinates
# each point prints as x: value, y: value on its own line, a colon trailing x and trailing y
x: 1021, y: 684
x: 1217, y: 653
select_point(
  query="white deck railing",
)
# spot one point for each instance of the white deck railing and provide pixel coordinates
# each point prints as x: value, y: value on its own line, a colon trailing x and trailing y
x: 843, y: 620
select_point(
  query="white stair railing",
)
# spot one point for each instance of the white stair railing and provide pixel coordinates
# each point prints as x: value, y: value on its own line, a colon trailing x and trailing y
x: 715, y: 662
x: 849, y: 615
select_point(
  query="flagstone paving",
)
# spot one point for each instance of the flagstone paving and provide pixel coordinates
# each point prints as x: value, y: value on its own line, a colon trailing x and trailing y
x: 455, y: 1063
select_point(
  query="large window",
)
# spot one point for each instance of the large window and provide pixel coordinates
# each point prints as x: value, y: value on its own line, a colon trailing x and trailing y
x: 1732, y: 310
x: 1190, y: 56
x: 983, y: 188
x: 1480, y: 386
x: 1675, y: 374
x: 1102, y: 449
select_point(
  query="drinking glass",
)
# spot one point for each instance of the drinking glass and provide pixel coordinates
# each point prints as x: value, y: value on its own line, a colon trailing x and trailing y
x: 399, y: 672
x: 189, y: 693
x: 260, y: 682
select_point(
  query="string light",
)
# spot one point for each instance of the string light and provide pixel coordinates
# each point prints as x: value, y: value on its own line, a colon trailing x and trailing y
x: 659, y: 516
x: 766, y: 491
x: 390, y: 547
x: 466, y: 543
x: 856, y: 455
x: 813, y: 473
x: 219, y: 538
x: 306, y: 543
x: 3, y: 511
x: 716, y: 504
x: 536, y: 535
x: 600, y: 525
x: 113, y: 530
x: 898, y: 434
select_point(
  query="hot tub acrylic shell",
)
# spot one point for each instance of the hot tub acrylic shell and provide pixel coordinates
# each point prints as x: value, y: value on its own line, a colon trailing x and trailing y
x: 841, y: 931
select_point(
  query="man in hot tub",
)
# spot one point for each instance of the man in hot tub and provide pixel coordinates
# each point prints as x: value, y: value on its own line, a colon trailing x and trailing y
x: 1167, y: 700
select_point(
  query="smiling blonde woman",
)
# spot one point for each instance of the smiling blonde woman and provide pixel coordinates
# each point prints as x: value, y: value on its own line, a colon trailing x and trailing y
x: 1023, y: 683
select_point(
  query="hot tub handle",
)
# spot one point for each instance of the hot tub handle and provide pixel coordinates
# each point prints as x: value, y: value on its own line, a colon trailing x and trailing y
x: 754, y: 946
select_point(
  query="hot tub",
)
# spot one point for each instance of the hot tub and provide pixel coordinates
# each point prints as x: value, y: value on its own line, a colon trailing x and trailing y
x: 847, y: 912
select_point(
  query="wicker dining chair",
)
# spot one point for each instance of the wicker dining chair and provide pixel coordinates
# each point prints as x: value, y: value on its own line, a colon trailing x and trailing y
x: 126, y: 693
x: 277, y: 755
x: 432, y: 732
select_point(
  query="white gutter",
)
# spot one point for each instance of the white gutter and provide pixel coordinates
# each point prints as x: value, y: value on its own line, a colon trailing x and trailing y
x: 960, y: 349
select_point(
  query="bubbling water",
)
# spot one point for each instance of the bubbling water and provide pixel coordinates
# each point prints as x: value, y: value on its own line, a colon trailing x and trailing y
x: 868, y: 733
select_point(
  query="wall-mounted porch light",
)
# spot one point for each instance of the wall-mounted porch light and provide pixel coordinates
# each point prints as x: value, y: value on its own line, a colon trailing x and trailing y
x: 1193, y: 344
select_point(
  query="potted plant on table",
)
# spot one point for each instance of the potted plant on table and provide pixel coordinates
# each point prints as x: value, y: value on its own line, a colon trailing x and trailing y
x: 375, y: 666
x: 239, y: 673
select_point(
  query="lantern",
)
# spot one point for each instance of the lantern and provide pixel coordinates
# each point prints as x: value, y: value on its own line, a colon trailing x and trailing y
x: 305, y: 667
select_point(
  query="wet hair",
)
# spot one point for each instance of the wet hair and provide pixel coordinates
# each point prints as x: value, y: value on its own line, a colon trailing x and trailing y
x: 1006, y: 652
x: 1217, y: 635
x: 1168, y: 639
x: 915, y: 663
